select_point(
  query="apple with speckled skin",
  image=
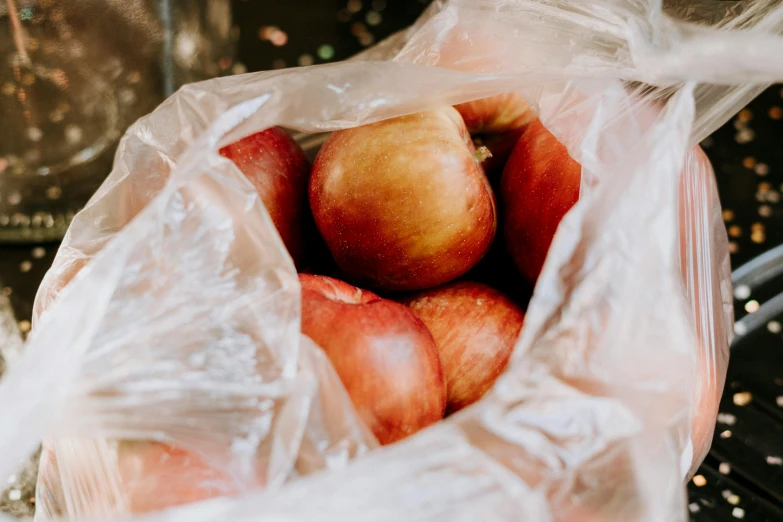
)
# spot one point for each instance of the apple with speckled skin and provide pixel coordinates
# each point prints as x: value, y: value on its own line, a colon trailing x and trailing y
x: 278, y: 169
x: 475, y: 328
x: 384, y: 355
x: 404, y: 204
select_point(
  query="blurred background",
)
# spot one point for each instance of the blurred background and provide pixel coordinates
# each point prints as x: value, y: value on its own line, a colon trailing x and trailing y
x: 75, y: 73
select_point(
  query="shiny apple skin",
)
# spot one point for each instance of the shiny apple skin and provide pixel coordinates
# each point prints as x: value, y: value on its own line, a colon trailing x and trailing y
x: 475, y: 328
x: 402, y: 204
x: 279, y: 170
x: 540, y: 184
x: 383, y: 354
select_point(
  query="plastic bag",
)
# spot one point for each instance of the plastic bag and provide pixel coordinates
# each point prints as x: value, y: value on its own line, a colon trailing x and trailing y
x: 176, y: 321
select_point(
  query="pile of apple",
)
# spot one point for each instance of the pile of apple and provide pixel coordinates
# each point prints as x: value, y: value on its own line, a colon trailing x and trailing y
x: 407, y: 284
x: 389, y: 228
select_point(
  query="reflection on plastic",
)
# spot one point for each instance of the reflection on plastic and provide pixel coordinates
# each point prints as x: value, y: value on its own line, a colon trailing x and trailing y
x: 180, y: 325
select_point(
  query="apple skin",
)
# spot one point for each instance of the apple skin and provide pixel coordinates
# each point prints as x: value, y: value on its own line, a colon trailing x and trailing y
x: 403, y: 204
x: 383, y: 354
x: 279, y: 170
x: 158, y: 476
x: 498, y: 270
x: 540, y: 184
x: 497, y: 123
x: 699, y: 175
x: 152, y: 476
x: 475, y: 328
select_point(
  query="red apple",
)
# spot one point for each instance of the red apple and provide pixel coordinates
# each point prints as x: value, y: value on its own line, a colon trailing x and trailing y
x: 403, y: 204
x: 383, y: 354
x: 496, y: 123
x: 279, y: 170
x: 540, y: 184
x: 475, y: 328
x: 152, y: 477
x: 158, y: 476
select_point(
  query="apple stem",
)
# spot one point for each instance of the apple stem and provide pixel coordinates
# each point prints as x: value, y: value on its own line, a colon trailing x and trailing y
x: 481, y: 154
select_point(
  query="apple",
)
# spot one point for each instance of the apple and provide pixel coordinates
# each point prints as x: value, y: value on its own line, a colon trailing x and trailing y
x: 475, y: 328
x: 497, y: 123
x: 278, y: 169
x: 152, y: 476
x: 541, y: 182
x: 404, y: 204
x: 539, y: 185
x: 482, y: 48
x: 158, y: 476
x: 383, y: 354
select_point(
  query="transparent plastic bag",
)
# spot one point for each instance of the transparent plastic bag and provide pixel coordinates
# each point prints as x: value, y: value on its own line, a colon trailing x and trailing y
x: 171, y: 313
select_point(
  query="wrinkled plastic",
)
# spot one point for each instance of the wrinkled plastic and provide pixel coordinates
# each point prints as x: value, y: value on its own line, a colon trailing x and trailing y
x: 171, y: 313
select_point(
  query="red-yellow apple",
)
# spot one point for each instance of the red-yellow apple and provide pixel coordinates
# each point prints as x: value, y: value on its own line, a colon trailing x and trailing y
x: 496, y: 123
x: 403, y: 204
x: 383, y: 354
x: 475, y: 328
x: 279, y: 170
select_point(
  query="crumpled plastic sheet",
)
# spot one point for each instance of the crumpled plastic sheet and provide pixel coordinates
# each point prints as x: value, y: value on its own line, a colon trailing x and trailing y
x: 171, y: 313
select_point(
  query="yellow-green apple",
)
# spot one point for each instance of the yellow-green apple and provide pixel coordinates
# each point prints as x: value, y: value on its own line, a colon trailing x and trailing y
x: 475, y: 328
x: 279, y: 170
x: 383, y: 354
x: 404, y: 204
